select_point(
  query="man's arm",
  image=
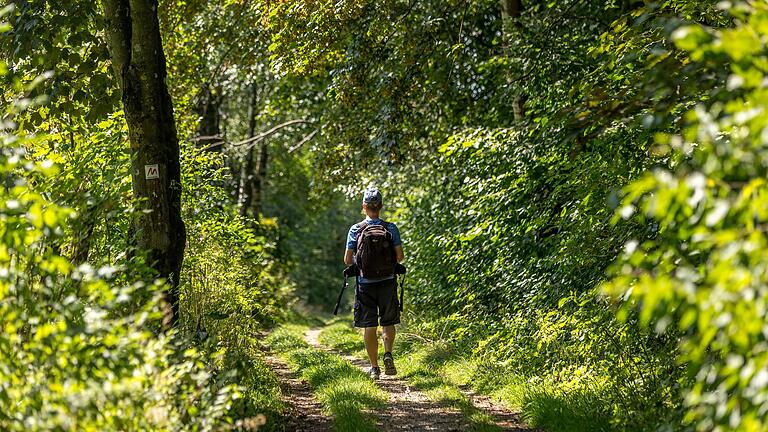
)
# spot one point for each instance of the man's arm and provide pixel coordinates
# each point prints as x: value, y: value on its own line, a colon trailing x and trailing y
x: 351, y: 245
x: 399, y: 255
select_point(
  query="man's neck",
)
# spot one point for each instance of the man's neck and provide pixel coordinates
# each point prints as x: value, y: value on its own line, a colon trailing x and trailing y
x: 372, y: 216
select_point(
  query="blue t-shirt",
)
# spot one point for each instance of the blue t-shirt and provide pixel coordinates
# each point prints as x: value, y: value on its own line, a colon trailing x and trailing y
x: 352, y: 243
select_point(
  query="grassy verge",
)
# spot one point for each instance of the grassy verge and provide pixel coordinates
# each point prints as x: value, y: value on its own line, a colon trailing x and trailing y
x: 436, y: 368
x: 342, y: 389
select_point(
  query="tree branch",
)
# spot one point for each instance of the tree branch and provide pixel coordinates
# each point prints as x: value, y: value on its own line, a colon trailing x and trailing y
x: 208, y: 137
x: 253, y: 140
x: 303, y: 141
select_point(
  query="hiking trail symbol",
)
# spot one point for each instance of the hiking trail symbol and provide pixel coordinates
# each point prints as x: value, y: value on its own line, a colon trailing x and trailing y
x: 151, y: 172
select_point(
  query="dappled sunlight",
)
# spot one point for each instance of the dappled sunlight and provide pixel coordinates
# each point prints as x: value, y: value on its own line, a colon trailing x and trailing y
x: 561, y: 207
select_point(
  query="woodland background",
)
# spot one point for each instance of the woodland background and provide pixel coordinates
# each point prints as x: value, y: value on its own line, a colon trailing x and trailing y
x: 580, y: 187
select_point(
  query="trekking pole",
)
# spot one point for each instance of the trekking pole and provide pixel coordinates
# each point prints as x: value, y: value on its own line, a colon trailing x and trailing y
x: 400, y: 270
x: 349, y: 271
x: 341, y: 294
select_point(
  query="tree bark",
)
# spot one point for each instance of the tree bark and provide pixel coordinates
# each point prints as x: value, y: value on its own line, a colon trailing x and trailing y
x: 210, y: 119
x: 133, y: 36
x: 247, y: 173
x: 511, y: 10
x: 260, y: 178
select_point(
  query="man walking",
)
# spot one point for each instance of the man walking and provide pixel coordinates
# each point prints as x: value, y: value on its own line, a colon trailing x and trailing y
x: 374, y: 247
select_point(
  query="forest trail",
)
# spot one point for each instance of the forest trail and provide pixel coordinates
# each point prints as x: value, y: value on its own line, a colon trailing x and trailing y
x: 409, y: 409
x: 305, y: 413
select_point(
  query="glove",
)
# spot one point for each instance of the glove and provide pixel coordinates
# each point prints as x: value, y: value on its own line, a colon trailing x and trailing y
x: 351, y: 271
x: 399, y: 269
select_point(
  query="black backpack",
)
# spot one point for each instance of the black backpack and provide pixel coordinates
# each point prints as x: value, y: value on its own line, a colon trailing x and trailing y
x: 375, y: 255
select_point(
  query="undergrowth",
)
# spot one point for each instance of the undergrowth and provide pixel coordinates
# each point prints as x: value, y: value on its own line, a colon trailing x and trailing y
x: 259, y: 387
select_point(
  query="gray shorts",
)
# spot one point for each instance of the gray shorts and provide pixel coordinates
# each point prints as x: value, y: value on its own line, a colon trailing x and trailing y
x: 377, y: 304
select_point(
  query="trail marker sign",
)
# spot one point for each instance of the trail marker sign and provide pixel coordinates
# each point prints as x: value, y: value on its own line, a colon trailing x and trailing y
x: 151, y: 172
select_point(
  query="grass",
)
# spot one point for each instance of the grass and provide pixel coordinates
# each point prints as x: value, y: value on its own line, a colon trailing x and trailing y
x: 436, y: 368
x: 413, y: 367
x: 259, y: 386
x: 342, y: 389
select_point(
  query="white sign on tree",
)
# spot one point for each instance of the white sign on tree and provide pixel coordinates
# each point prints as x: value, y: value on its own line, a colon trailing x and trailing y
x: 151, y: 172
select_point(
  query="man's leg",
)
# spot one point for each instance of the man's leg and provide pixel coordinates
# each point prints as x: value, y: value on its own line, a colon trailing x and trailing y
x: 372, y: 345
x: 390, y: 315
x: 389, y: 338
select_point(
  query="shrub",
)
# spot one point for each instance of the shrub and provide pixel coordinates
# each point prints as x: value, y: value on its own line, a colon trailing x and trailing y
x: 703, y: 273
x: 79, y: 348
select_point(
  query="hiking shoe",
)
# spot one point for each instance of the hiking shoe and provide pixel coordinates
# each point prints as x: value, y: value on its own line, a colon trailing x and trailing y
x: 374, y: 373
x: 389, y: 364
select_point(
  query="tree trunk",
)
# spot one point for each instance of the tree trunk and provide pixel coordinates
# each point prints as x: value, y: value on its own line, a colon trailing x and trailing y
x: 254, y: 178
x: 210, y: 120
x: 133, y: 37
x: 246, y: 182
x: 247, y: 173
x: 511, y: 11
x: 260, y: 178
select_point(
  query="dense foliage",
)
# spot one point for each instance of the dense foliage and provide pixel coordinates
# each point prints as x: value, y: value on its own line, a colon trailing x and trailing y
x: 703, y: 272
x: 83, y: 345
x: 78, y: 351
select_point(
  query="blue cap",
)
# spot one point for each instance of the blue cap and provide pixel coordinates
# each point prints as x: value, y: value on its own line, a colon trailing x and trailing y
x: 371, y: 196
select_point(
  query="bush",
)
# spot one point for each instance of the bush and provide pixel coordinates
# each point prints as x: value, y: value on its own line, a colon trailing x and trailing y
x: 79, y: 348
x: 232, y: 287
x: 703, y: 274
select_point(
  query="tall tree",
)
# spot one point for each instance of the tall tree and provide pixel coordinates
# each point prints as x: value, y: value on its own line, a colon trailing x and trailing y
x: 510, y: 13
x: 138, y: 61
x: 247, y: 189
x: 209, y: 110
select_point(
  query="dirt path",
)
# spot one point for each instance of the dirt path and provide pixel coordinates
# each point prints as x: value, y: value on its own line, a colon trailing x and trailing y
x: 305, y: 414
x: 411, y: 410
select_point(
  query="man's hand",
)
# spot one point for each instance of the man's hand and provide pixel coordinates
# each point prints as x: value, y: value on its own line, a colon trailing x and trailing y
x: 351, y: 271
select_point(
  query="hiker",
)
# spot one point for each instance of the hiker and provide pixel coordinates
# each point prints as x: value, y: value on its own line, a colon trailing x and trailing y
x: 375, y: 252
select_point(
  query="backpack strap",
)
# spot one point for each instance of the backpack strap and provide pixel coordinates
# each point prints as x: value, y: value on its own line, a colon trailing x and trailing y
x: 360, y: 226
x: 385, y: 224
